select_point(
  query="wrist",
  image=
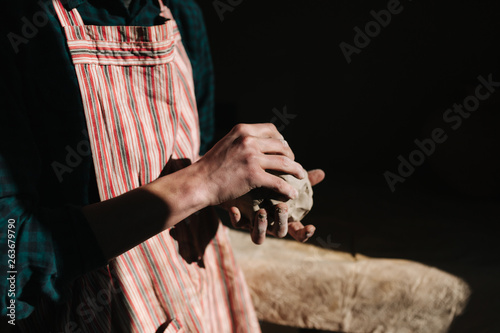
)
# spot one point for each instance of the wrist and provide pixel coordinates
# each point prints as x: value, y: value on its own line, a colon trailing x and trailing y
x: 184, y: 191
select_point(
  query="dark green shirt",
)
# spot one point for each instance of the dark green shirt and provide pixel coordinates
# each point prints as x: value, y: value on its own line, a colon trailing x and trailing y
x: 45, y: 176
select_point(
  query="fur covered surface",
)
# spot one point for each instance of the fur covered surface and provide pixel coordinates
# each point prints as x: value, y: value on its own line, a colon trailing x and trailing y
x: 302, y: 285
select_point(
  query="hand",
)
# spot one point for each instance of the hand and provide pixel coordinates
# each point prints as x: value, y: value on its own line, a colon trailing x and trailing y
x: 238, y: 163
x: 281, y: 226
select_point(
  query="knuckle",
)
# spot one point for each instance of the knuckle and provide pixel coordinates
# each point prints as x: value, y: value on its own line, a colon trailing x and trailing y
x: 240, y: 128
x: 262, y: 214
x: 284, y: 143
x: 247, y: 141
x: 299, y: 168
x: 272, y: 127
x: 250, y: 158
x: 284, y: 161
x: 280, y: 185
x: 282, y: 208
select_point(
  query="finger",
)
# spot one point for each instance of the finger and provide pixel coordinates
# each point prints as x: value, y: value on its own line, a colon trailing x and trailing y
x: 282, y: 164
x: 316, y: 176
x: 238, y: 220
x: 299, y: 232
x: 280, y: 227
x: 260, y: 227
x: 265, y: 130
x: 275, y: 146
x: 278, y: 185
x: 234, y: 216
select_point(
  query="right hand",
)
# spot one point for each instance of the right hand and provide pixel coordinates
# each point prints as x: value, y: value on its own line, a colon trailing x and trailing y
x: 238, y: 163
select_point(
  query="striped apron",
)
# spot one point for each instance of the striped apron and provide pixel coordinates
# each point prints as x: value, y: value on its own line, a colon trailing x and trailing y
x: 138, y: 94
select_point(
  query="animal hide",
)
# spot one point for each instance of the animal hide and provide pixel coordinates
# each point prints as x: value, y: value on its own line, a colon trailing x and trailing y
x: 305, y: 286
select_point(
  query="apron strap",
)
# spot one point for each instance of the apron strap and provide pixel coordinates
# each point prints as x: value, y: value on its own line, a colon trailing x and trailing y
x: 165, y: 11
x: 67, y: 18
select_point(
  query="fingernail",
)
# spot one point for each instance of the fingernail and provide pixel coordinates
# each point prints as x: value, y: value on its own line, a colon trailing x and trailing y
x: 285, y: 143
x: 281, y: 210
x: 304, y: 173
x: 294, y: 194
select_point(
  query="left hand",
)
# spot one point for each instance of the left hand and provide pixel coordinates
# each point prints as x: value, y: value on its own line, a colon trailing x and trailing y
x: 259, y: 227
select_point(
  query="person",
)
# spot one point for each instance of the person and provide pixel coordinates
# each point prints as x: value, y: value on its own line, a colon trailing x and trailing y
x: 101, y: 176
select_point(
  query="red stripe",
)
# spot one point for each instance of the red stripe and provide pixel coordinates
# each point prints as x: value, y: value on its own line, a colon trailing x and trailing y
x: 103, y: 57
x: 162, y: 275
x: 180, y: 284
x: 129, y: 271
x: 152, y: 122
x: 130, y: 77
x: 135, y: 47
x: 156, y: 106
x: 99, y: 128
x: 120, y: 124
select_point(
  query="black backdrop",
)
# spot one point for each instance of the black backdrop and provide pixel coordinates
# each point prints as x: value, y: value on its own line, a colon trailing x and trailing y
x: 355, y: 119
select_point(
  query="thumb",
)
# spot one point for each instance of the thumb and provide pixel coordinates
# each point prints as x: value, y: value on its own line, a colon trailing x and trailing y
x: 316, y: 176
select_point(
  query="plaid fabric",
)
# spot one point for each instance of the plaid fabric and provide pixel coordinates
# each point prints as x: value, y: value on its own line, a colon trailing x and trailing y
x: 40, y: 233
x: 36, y: 127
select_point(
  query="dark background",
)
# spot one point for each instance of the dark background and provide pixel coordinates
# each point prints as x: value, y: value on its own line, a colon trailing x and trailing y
x: 354, y: 120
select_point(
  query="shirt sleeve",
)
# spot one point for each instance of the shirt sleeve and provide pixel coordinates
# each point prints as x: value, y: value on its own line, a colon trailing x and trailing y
x: 49, y: 247
x: 191, y: 23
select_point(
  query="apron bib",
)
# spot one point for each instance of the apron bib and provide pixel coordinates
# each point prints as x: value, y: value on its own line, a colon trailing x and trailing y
x: 138, y: 94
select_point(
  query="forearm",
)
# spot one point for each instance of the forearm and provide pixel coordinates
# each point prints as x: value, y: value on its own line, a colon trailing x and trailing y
x: 234, y: 166
x: 127, y: 220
